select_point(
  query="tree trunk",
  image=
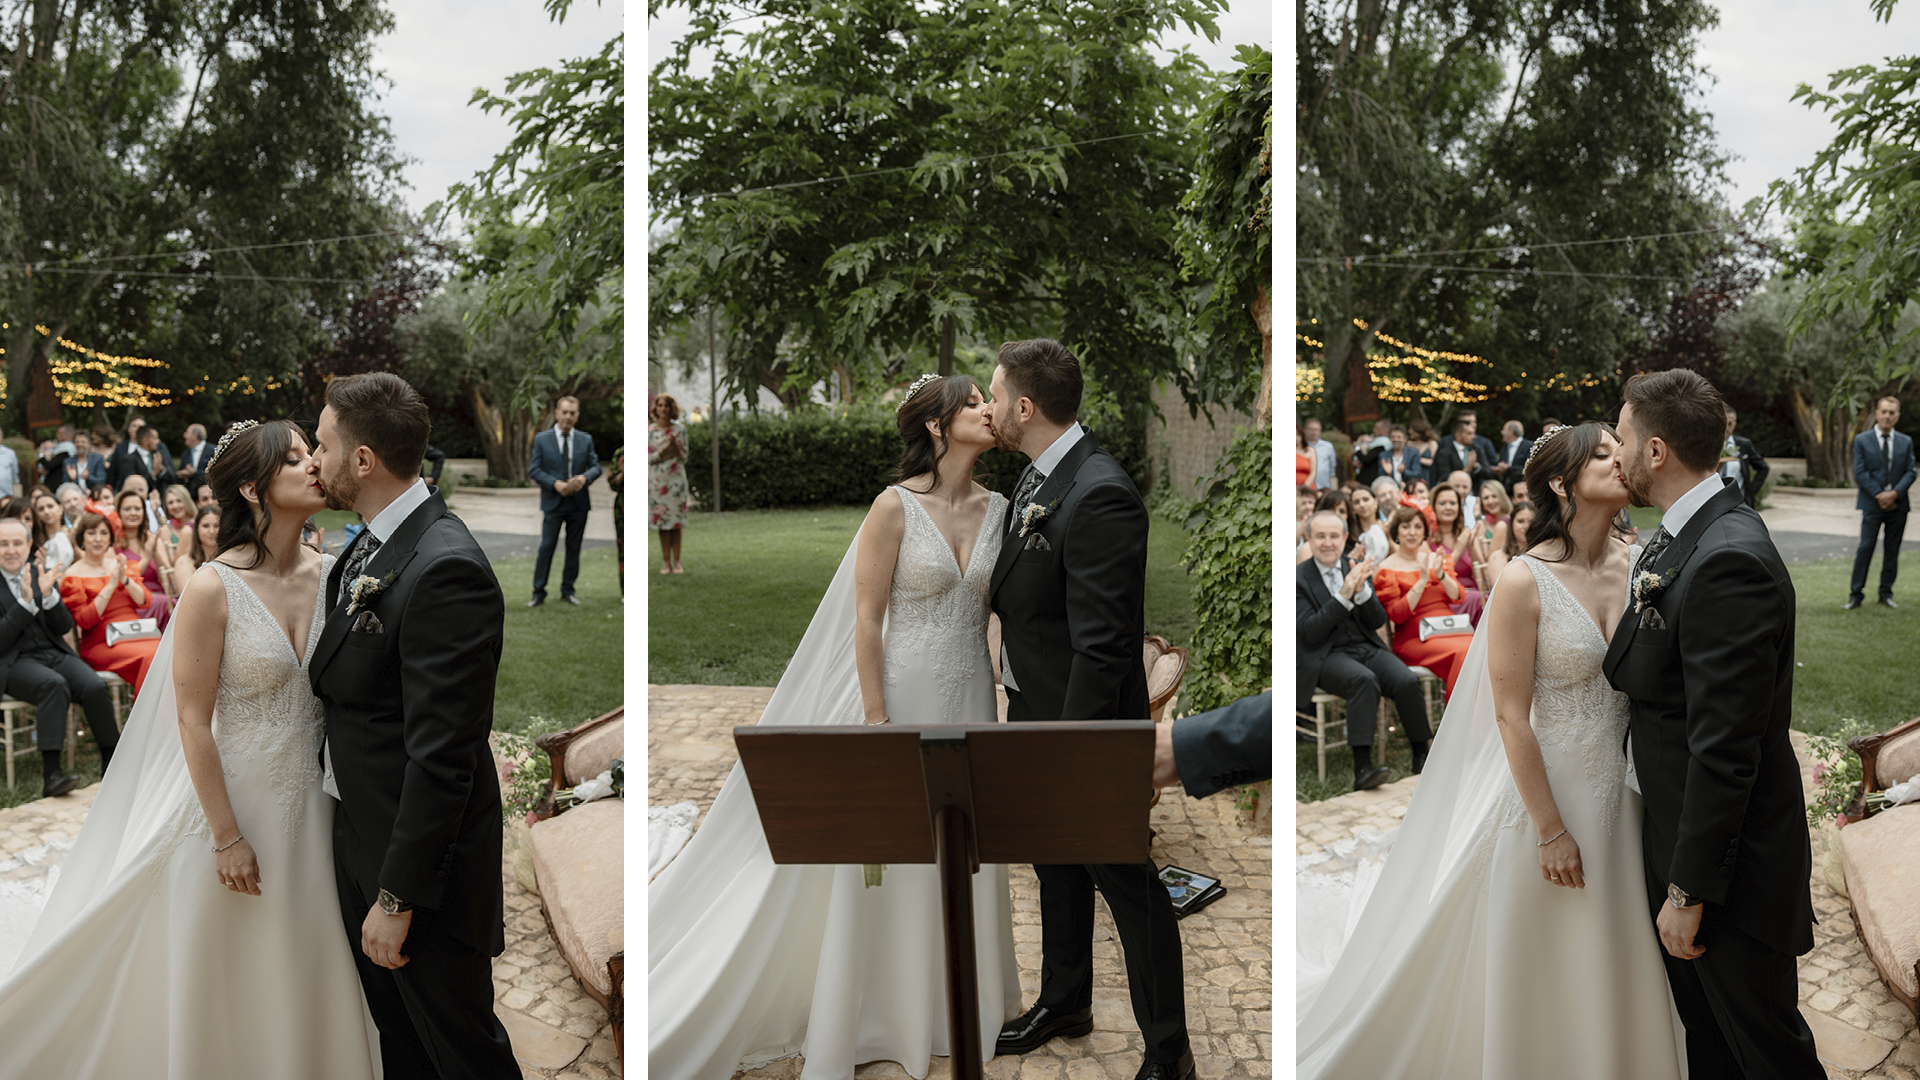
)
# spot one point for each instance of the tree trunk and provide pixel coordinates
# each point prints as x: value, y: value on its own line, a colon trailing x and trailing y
x: 1263, y: 318
x: 1360, y: 402
x: 1824, y: 435
x: 947, y: 333
x: 506, y: 435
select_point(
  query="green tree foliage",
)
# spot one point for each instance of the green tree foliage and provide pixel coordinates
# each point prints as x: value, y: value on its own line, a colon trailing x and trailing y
x: 858, y: 178
x: 1226, y: 238
x: 162, y: 166
x: 1231, y: 564
x: 1454, y: 157
x: 548, y: 216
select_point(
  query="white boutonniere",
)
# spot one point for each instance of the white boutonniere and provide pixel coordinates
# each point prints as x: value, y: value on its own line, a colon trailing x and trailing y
x: 365, y: 590
x: 1032, y: 514
x: 1647, y: 586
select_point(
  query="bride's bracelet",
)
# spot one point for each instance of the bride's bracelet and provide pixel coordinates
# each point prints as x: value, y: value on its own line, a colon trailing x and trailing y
x: 1552, y: 838
x: 229, y: 843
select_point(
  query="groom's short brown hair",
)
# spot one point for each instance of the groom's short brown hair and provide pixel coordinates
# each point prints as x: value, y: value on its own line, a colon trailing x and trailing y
x: 379, y: 411
x: 1045, y: 373
x: 1683, y: 410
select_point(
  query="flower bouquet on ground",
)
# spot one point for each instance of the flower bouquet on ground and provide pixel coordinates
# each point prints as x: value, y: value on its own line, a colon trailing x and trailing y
x: 1836, y: 774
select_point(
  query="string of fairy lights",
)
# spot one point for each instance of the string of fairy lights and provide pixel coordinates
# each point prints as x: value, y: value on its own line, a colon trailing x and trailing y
x: 1422, y: 374
x: 121, y: 386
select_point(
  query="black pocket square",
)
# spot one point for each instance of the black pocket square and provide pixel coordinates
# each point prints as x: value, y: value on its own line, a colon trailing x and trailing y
x: 1036, y: 542
x: 367, y: 623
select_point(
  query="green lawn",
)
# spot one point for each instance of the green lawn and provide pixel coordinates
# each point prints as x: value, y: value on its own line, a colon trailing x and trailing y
x: 561, y: 664
x: 1851, y: 665
x: 754, y: 578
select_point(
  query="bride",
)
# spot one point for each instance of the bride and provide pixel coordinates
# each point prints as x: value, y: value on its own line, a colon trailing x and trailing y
x: 1509, y: 934
x: 749, y: 962
x: 194, y: 931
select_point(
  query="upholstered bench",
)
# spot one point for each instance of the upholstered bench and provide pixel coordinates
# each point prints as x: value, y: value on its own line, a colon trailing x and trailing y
x: 1881, y: 859
x: 579, y: 861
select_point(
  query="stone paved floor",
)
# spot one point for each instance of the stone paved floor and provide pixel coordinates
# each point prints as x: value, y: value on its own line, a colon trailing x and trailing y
x: 1861, y: 1032
x: 1228, y: 945
x: 559, y: 1032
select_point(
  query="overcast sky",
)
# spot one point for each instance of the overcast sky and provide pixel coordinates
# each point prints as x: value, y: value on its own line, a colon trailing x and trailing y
x: 1761, y: 51
x: 441, y: 50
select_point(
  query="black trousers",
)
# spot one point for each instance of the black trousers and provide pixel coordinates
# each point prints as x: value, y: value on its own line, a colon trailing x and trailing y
x: 575, y: 521
x: 435, y: 1014
x: 1872, y: 521
x: 53, y: 679
x: 1361, y: 675
x: 1149, y: 939
x: 1740, y: 1003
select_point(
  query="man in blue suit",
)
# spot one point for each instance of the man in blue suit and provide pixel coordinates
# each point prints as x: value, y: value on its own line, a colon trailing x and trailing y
x: 563, y: 465
x: 1883, y: 471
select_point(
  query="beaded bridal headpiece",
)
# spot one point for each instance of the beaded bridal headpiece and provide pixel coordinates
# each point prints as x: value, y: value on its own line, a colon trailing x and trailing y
x: 1546, y: 437
x: 221, y: 447
x: 914, y: 389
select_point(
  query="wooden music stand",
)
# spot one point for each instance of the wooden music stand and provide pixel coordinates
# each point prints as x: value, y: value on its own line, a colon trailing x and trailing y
x: 958, y: 795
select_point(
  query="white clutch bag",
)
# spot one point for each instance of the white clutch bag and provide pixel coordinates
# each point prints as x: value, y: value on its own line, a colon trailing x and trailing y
x: 145, y: 629
x: 1440, y: 626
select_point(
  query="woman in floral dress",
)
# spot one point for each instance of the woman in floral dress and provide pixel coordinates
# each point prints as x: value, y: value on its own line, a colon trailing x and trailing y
x: 667, y: 493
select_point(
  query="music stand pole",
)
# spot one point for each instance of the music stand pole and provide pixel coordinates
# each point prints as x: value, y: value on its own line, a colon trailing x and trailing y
x: 943, y: 755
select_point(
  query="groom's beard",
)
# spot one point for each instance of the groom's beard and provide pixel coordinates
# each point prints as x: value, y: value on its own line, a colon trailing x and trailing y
x: 1636, y: 485
x: 1008, y: 436
x: 342, y: 491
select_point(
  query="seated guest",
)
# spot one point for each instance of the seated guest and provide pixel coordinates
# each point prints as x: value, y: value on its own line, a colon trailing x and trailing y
x: 104, y: 587
x: 1453, y: 539
x: 100, y: 462
x: 1418, y: 497
x: 37, y: 666
x: 204, y: 542
x: 73, y: 503
x: 205, y: 498
x: 1520, y: 492
x: 50, y: 534
x: 1337, y: 613
x: 1462, y: 485
x: 176, y: 526
x: 1218, y: 749
x: 1494, y: 510
x: 1304, y: 496
x: 1511, y: 541
x: 138, y: 544
x: 1416, y: 582
x: 1364, y: 524
x: 1334, y: 501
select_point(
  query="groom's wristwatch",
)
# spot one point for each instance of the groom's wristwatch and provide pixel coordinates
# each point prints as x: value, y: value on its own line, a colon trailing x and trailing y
x: 392, y: 904
x: 1675, y: 895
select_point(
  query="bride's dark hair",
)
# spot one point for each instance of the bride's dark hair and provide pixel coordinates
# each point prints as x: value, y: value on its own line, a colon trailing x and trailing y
x: 1560, y: 457
x: 253, y: 456
x: 939, y: 400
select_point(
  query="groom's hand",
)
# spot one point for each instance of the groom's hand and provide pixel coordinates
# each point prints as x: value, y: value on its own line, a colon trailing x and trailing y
x: 1678, y: 927
x: 381, y: 936
x: 1165, y: 772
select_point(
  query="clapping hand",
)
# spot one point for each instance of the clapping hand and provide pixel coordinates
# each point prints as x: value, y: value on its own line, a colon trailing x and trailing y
x: 1355, y: 577
x: 119, y: 568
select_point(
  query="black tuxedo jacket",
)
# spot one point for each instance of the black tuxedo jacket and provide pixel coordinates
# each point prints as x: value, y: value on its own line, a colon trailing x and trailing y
x: 127, y: 462
x: 1316, y: 616
x: 1225, y: 747
x: 408, y: 713
x: 1523, y: 447
x: 1072, y: 612
x: 1449, y: 458
x: 1712, y: 694
x: 17, y: 624
x: 1753, y: 469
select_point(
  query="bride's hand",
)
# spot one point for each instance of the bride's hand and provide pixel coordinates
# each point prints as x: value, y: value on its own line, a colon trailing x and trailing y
x: 1560, y: 863
x: 238, y: 868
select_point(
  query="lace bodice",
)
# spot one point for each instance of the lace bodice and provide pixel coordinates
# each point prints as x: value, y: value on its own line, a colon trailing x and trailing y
x: 1579, y: 718
x: 937, y: 616
x: 266, y: 719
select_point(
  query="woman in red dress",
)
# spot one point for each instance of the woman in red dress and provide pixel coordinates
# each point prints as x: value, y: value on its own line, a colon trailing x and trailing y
x: 1414, y: 583
x: 104, y: 587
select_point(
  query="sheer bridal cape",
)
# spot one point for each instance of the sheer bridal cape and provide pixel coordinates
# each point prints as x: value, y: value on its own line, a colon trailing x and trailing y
x: 749, y: 962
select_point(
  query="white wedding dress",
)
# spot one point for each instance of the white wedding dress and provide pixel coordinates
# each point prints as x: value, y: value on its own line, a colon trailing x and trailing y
x: 142, y: 964
x: 749, y: 962
x: 1464, y: 963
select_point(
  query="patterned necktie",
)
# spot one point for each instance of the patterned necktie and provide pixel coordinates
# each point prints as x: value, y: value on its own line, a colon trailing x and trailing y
x: 1659, y: 544
x: 1030, y: 482
x: 363, y: 549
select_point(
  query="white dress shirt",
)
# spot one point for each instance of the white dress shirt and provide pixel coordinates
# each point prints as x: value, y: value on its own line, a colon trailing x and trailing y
x: 17, y: 584
x: 1335, y: 579
x: 1684, y: 507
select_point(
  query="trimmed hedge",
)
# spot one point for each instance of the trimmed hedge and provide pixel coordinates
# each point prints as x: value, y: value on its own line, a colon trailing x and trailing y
x: 816, y: 457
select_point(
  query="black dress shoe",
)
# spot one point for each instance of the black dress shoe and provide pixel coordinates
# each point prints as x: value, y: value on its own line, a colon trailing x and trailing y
x: 1039, y: 1025
x: 1887, y: 601
x: 536, y: 601
x: 1419, y: 762
x: 1853, y: 602
x: 571, y: 599
x: 1372, y: 778
x: 1156, y: 1070
x: 58, y: 784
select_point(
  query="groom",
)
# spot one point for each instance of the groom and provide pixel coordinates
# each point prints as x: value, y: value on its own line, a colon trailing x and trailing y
x: 1069, y: 587
x: 406, y: 667
x: 1705, y: 652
